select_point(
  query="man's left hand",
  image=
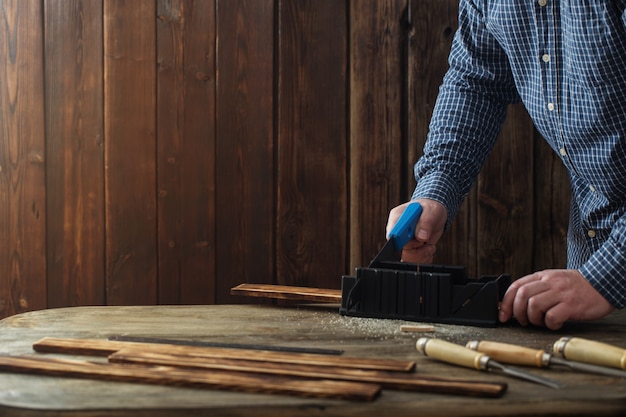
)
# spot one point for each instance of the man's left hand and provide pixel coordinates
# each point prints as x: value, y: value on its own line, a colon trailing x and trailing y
x: 551, y: 297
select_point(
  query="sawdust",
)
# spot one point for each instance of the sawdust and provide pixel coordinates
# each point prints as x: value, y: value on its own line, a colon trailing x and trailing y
x: 384, y: 329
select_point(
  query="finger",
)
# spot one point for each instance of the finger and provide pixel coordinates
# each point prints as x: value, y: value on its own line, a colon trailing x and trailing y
x: 556, y: 316
x: 432, y: 221
x: 418, y: 253
x: 522, y: 299
x: 506, y: 306
x: 540, y: 304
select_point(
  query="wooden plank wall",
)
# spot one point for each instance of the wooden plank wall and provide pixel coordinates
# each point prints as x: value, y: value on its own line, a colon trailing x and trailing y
x: 163, y: 151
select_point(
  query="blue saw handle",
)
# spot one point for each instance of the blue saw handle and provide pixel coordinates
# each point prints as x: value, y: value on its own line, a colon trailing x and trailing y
x: 404, y: 230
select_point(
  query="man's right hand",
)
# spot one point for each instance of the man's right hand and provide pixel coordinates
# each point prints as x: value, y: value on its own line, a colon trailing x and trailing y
x: 427, y: 232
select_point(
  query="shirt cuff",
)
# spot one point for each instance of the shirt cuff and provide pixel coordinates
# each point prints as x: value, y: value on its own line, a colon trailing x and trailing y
x: 606, y: 272
x: 438, y: 187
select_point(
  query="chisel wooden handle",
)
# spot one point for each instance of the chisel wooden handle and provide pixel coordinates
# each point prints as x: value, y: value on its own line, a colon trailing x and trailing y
x: 452, y: 353
x: 513, y: 354
x: 589, y: 351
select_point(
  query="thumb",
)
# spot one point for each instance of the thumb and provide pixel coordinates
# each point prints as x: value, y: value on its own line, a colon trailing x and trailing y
x: 432, y: 221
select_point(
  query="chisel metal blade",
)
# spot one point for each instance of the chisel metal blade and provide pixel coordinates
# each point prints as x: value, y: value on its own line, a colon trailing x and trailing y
x: 517, y: 373
x: 587, y: 367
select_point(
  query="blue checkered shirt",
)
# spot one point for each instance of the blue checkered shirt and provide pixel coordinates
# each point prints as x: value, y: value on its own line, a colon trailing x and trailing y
x: 566, y: 61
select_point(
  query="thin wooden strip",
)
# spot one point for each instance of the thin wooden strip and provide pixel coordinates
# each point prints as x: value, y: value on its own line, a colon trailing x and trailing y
x: 387, y: 379
x: 97, y: 347
x: 287, y: 292
x: 417, y: 328
x: 220, y: 380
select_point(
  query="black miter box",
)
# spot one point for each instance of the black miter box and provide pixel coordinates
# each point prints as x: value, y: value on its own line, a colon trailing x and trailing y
x: 425, y: 293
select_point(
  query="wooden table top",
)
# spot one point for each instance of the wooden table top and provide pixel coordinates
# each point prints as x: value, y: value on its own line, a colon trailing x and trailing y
x: 299, y: 326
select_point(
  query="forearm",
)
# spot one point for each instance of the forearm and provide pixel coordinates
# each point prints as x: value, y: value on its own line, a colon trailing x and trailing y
x: 468, y: 114
x: 458, y: 145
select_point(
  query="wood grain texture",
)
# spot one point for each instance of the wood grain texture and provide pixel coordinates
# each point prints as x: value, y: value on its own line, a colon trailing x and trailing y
x: 377, y: 163
x: 434, y: 23
x: 22, y: 159
x: 311, y: 326
x: 386, y: 379
x: 288, y: 292
x: 96, y: 347
x: 505, y: 200
x: 245, y: 184
x: 75, y: 149
x: 165, y: 151
x: 312, y: 161
x: 216, y: 379
x: 552, y: 195
x: 186, y: 82
x: 130, y: 152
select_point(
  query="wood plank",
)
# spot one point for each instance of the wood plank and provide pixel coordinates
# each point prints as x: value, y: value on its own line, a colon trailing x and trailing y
x: 221, y: 380
x: 130, y: 151
x: 434, y: 23
x: 186, y: 151
x: 505, y: 213
x: 586, y: 394
x: 22, y: 159
x: 552, y: 199
x: 75, y: 161
x: 287, y: 292
x: 388, y: 380
x: 245, y: 166
x: 97, y: 347
x: 377, y: 164
x: 312, y: 195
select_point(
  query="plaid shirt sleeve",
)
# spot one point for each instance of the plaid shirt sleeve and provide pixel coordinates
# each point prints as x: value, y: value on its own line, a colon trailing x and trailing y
x: 468, y: 114
x: 566, y: 61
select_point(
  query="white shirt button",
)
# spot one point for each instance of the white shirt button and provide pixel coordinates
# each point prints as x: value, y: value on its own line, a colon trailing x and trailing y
x: 545, y: 58
x: 592, y: 188
x: 542, y: 2
x: 551, y: 106
x: 591, y: 233
x: 562, y: 151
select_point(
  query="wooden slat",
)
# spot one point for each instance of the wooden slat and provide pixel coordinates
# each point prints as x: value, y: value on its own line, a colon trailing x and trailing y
x: 505, y: 200
x: 245, y: 184
x: 22, y: 159
x: 96, y: 347
x: 551, y: 208
x: 312, y: 195
x: 377, y: 167
x: 389, y: 380
x: 186, y: 151
x: 434, y: 23
x: 130, y: 151
x: 222, y: 380
x: 287, y: 292
x: 75, y: 161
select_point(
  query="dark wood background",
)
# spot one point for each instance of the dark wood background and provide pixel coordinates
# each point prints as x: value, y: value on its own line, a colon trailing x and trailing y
x: 163, y: 151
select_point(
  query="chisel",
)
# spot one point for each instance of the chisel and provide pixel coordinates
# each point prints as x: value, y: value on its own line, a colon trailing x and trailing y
x: 589, y: 351
x: 462, y: 356
x: 520, y: 355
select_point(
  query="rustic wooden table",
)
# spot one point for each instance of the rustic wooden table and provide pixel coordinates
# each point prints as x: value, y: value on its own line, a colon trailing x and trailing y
x: 302, y: 326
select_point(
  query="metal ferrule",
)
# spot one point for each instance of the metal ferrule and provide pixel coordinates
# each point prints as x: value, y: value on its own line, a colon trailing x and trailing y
x: 472, y: 344
x: 559, y: 346
x: 483, y: 362
x: 420, y: 345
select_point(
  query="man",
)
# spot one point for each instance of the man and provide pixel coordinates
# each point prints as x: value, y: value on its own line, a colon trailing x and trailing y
x: 566, y: 61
